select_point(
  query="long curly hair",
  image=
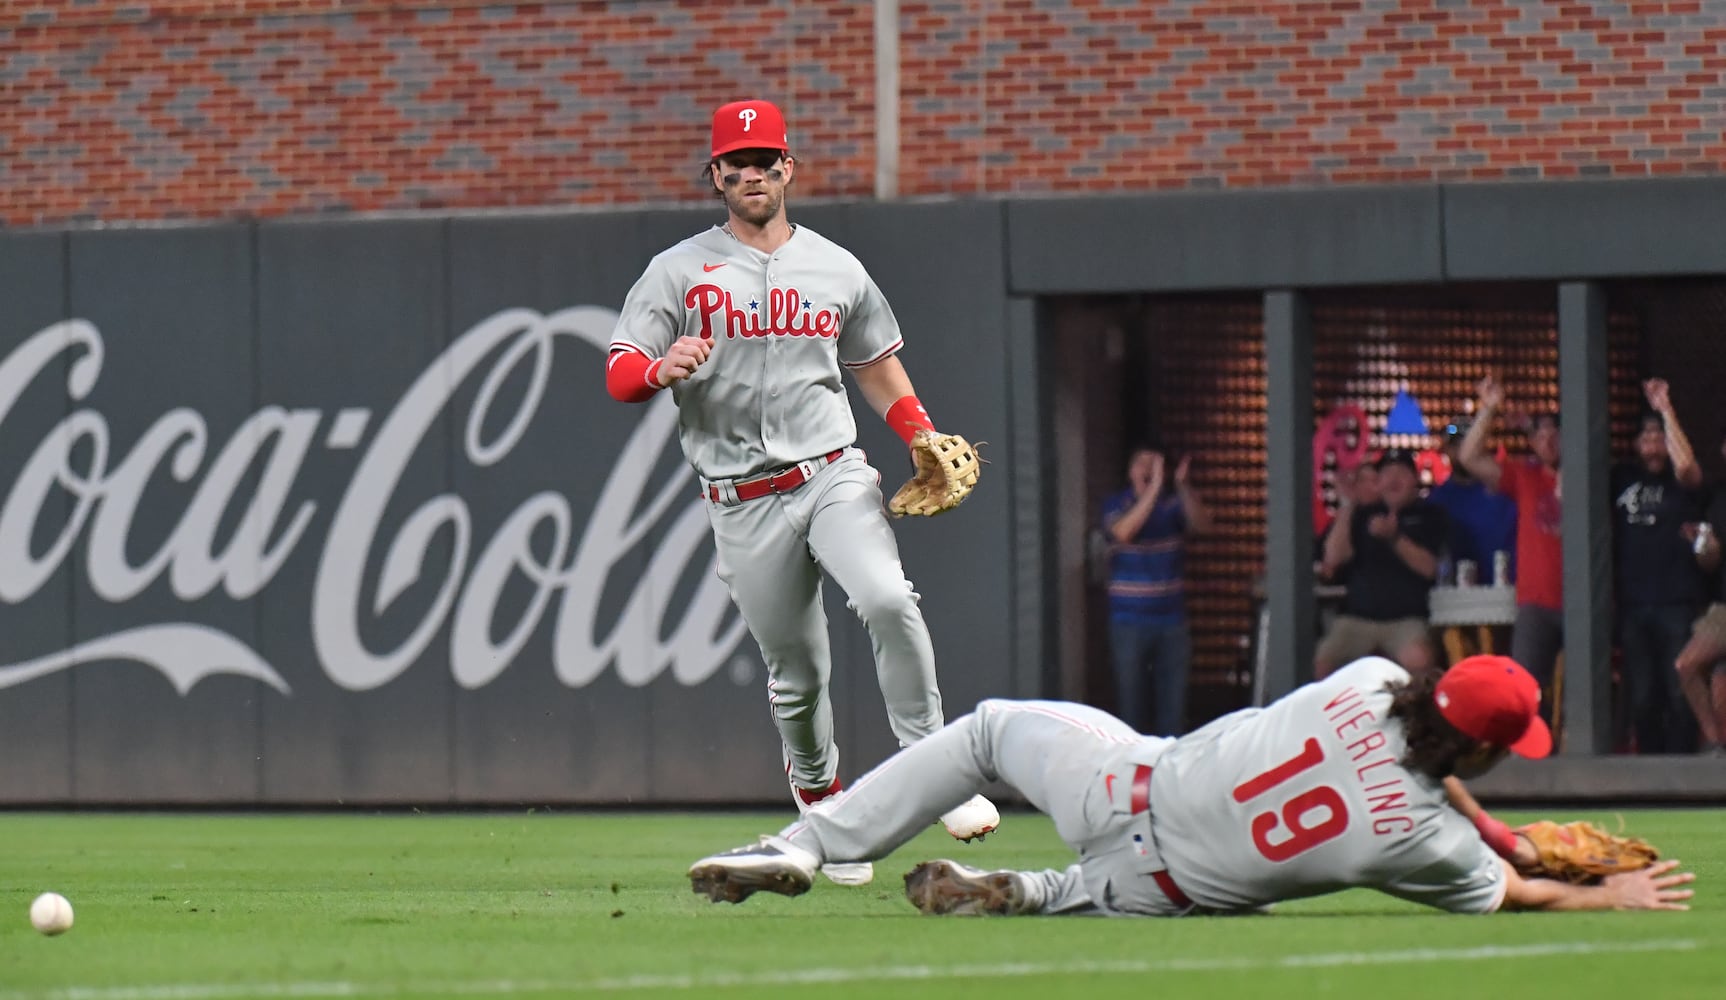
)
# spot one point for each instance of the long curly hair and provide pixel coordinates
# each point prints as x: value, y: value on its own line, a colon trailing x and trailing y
x: 1434, y: 745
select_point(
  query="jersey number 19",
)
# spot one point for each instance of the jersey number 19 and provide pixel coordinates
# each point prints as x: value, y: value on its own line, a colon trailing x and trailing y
x: 1293, y: 813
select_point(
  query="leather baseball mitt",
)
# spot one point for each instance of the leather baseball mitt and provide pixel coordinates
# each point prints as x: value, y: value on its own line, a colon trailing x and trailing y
x: 947, y: 468
x: 1582, y: 853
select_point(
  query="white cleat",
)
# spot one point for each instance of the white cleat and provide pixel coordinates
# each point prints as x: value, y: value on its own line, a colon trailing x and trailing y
x: 773, y: 865
x: 849, y: 872
x: 972, y: 819
x: 948, y: 888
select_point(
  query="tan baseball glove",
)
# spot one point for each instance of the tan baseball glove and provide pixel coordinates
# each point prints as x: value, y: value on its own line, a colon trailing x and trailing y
x: 947, y: 468
x: 1582, y: 853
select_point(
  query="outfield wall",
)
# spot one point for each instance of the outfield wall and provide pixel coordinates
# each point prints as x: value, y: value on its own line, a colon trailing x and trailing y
x: 275, y: 494
x: 339, y: 512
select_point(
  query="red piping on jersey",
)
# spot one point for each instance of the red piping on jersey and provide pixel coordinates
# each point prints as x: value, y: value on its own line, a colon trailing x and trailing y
x: 879, y: 357
x: 632, y: 377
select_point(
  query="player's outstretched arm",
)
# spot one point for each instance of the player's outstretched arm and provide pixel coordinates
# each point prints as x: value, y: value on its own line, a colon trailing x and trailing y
x: 1660, y: 886
x: 1505, y: 842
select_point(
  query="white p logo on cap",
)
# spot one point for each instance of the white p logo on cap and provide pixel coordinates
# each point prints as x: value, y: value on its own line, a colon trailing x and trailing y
x: 747, y: 116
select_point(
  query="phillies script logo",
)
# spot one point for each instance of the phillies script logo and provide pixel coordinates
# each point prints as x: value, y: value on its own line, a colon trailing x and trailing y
x: 788, y: 314
x: 103, y: 491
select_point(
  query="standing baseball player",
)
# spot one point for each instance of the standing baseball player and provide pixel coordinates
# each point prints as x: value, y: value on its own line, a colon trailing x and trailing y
x: 1337, y: 785
x: 751, y: 325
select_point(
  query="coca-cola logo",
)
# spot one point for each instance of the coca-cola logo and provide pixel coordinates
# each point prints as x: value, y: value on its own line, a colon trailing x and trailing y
x: 786, y: 313
x: 269, y: 452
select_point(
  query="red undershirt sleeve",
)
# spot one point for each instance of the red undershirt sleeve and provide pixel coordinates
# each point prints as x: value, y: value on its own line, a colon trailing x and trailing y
x: 632, y: 377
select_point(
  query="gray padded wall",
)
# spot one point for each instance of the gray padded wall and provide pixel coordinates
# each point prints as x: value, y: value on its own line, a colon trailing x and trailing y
x: 175, y: 311
x: 1585, y: 229
x: 1235, y: 239
x: 350, y: 316
x: 524, y: 730
x: 1324, y: 237
x: 293, y: 345
x: 35, y: 594
x: 356, y: 435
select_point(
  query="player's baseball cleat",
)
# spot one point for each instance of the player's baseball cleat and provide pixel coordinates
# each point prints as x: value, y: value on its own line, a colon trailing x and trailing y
x: 948, y: 888
x: 773, y: 865
x: 849, y: 872
x: 972, y: 819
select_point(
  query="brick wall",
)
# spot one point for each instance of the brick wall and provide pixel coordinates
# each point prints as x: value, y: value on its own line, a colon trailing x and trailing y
x: 205, y: 108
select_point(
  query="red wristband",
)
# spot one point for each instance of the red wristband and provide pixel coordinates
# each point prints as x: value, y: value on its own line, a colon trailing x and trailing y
x: 1497, y: 835
x: 907, y: 417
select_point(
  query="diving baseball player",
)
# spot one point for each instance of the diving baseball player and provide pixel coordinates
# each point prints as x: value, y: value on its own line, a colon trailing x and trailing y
x: 751, y: 325
x: 1337, y: 785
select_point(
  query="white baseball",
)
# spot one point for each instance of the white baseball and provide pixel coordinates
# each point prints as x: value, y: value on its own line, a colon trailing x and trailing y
x: 51, y: 914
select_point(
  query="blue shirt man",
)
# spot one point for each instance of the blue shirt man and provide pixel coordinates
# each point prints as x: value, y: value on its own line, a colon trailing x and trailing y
x: 1481, y: 522
x: 1148, y: 635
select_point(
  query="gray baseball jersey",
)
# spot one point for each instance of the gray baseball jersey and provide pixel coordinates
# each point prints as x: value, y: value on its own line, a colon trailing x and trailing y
x: 1301, y: 798
x: 1308, y: 796
x: 783, y: 325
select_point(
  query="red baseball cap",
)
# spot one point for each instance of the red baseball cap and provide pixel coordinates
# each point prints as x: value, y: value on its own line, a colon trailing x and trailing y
x: 748, y: 125
x: 1494, y: 700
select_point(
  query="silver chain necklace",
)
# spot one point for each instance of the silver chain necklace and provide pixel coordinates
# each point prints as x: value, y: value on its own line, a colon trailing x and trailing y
x: 726, y: 228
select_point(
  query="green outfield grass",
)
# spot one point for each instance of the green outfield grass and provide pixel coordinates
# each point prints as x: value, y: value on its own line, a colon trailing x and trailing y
x: 196, y: 907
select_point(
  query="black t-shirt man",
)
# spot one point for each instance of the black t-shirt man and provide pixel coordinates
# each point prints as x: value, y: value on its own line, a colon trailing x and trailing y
x: 1381, y: 587
x: 1656, y: 566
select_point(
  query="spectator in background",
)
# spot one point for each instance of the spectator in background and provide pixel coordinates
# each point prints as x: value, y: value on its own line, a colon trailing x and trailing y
x: 1482, y: 522
x: 1531, y: 482
x: 1148, y: 633
x: 1701, y: 666
x: 1660, y: 587
x: 1354, y: 490
x: 1363, y: 484
x: 1390, y: 551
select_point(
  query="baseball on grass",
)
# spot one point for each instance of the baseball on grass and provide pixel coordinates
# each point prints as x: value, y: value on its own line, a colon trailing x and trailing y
x: 51, y: 914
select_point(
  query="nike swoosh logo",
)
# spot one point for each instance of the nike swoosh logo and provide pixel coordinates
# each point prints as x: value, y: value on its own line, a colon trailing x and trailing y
x: 711, y: 267
x: 1109, y: 785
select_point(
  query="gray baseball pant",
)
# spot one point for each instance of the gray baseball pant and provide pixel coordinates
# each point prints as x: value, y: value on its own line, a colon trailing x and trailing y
x: 1072, y: 762
x: 772, y: 551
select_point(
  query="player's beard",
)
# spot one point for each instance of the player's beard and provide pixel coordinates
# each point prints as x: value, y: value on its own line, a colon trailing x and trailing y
x: 756, y: 212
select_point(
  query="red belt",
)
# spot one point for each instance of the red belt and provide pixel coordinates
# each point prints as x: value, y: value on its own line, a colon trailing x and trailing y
x: 1142, y: 801
x: 773, y: 482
